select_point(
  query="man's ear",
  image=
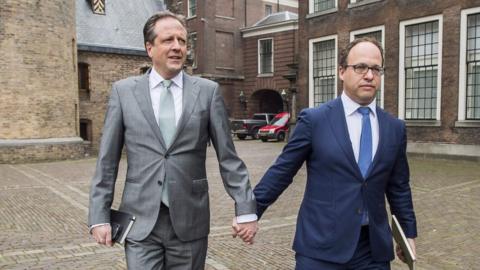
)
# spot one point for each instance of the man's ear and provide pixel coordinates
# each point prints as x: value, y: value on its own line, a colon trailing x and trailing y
x: 148, y: 47
x: 341, y: 70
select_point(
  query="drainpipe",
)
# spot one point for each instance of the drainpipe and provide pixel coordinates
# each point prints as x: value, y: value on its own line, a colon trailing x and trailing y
x: 245, y: 13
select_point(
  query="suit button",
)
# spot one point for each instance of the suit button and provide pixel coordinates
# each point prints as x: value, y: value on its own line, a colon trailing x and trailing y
x: 159, y: 182
x: 359, y: 210
x: 365, y: 184
x: 166, y: 156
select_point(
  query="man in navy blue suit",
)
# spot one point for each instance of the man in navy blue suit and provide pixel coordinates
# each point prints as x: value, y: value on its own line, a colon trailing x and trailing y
x: 355, y: 154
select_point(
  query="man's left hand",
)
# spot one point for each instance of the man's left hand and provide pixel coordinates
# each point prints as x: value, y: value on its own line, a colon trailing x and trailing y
x: 246, y: 230
x: 399, y: 251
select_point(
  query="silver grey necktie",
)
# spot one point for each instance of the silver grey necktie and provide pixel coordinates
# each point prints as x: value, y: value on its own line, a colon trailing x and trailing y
x: 166, y: 122
x: 166, y: 113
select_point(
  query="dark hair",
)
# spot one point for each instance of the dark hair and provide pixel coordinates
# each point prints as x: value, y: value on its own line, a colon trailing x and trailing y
x: 149, y: 34
x: 344, y: 54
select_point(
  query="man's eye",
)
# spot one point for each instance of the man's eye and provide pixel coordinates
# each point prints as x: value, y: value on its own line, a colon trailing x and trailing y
x: 361, y: 66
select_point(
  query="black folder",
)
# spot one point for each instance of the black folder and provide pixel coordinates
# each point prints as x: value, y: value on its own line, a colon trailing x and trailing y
x: 121, y: 224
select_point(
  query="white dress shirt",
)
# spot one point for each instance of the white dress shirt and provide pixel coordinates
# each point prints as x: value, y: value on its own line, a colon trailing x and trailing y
x: 354, y: 124
x: 176, y: 87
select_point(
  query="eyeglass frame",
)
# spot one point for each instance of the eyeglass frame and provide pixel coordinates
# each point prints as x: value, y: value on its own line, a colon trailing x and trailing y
x: 376, y: 70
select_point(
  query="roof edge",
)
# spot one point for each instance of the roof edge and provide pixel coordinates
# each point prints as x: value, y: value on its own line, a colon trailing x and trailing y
x: 110, y: 50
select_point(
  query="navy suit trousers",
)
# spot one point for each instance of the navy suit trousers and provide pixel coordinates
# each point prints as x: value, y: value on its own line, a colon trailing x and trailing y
x: 361, y: 260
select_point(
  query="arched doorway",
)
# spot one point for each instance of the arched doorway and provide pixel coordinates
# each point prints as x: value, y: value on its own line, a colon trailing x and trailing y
x: 266, y: 101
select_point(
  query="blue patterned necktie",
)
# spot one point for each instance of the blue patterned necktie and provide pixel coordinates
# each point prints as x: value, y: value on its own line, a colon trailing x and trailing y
x: 365, y: 155
x: 167, y: 124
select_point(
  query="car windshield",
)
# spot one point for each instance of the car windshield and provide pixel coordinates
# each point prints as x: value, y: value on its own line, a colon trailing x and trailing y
x: 280, y: 121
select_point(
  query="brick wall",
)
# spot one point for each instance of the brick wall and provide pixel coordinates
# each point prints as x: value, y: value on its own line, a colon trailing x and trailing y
x: 390, y: 13
x: 38, y: 69
x: 38, y: 78
x: 41, y: 152
x: 104, y: 69
x: 283, y: 54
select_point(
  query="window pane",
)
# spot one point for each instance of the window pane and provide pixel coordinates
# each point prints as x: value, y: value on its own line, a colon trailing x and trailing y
x: 324, y: 73
x: 266, y: 56
x: 321, y: 5
x: 192, y: 44
x: 421, y: 70
x: 473, y: 67
x: 192, y: 7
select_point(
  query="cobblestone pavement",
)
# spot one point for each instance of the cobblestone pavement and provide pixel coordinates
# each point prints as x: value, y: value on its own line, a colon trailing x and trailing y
x: 43, y: 210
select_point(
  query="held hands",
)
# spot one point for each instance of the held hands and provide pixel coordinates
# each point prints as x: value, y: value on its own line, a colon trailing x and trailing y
x: 246, y: 230
x: 399, y: 251
x: 103, y: 235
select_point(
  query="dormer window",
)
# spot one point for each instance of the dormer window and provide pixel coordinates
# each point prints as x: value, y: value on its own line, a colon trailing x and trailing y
x: 98, y: 6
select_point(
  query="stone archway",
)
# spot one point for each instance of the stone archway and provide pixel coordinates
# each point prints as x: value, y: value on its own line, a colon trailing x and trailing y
x: 266, y: 101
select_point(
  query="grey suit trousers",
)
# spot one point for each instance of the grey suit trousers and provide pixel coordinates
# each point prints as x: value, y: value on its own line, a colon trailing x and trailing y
x: 162, y: 250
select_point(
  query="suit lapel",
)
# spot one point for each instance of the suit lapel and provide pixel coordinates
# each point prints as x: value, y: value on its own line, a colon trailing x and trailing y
x: 383, y: 125
x: 338, y: 124
x: 142, y: 95
x: 190, y: 94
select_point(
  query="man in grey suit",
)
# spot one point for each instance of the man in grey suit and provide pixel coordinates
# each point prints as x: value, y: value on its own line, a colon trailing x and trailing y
x: 165, y: 119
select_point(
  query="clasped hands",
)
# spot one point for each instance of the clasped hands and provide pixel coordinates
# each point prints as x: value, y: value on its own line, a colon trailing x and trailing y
x: 246, y: 231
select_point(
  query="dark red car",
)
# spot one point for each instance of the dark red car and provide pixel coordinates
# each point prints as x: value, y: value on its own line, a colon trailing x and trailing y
x: 277, y: 129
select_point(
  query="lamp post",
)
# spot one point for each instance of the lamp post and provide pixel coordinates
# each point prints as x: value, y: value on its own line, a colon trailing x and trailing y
x: 243, y: 100
x: 285, y: 99
x: 291, y: 76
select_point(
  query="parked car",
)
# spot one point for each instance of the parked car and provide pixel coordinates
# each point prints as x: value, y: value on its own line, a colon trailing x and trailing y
x: 249, y: 127
x: 277, y: 129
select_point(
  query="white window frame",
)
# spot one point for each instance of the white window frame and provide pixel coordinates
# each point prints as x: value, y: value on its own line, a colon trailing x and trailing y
x: 462, y: 75
x: 311, y: 6
x: 194, y: 64
x: 188, y: 9
x: 401, y: 66
x: 310, y: 66
x: 259, y: 71
x: 271, y: 9
x: 380, y: 28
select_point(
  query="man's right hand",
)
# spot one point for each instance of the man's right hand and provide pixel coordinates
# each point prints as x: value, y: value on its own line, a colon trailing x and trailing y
x: 103, y: 234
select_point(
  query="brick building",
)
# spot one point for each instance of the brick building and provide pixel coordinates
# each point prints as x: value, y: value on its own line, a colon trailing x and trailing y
x: 217, y: 47
x: 270, y: 45
x: 431, y: 54
x: 39, y: 95
x: 106, y: 54
x: 58, y: 60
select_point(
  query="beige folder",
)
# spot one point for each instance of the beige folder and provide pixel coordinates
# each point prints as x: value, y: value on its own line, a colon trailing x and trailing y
x: 401, y: 240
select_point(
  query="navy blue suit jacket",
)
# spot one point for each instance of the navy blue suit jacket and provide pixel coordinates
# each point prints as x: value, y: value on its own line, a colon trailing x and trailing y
x: 329, y: 220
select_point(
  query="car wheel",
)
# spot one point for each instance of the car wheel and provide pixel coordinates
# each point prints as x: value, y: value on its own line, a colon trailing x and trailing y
x: 255, y: 134
x: 241, y: 136
x: 281, y: 136
x: 264, y: 139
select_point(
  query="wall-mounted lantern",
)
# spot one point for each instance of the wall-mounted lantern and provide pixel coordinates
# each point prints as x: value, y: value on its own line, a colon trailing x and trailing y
x: 243, y: 100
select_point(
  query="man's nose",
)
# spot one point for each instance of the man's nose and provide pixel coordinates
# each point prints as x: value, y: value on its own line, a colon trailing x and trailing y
x: 369, y: 75
x: 176, y: 44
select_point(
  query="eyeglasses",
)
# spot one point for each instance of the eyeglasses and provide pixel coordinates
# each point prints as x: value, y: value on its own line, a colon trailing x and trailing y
x: 363, y: 69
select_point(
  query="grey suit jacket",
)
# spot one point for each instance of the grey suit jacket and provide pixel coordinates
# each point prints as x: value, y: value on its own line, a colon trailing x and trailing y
x: 130, y: 121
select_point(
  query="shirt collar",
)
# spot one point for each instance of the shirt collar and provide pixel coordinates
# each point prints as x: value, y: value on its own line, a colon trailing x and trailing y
x: 351, y: 106
x: 155, y: 79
